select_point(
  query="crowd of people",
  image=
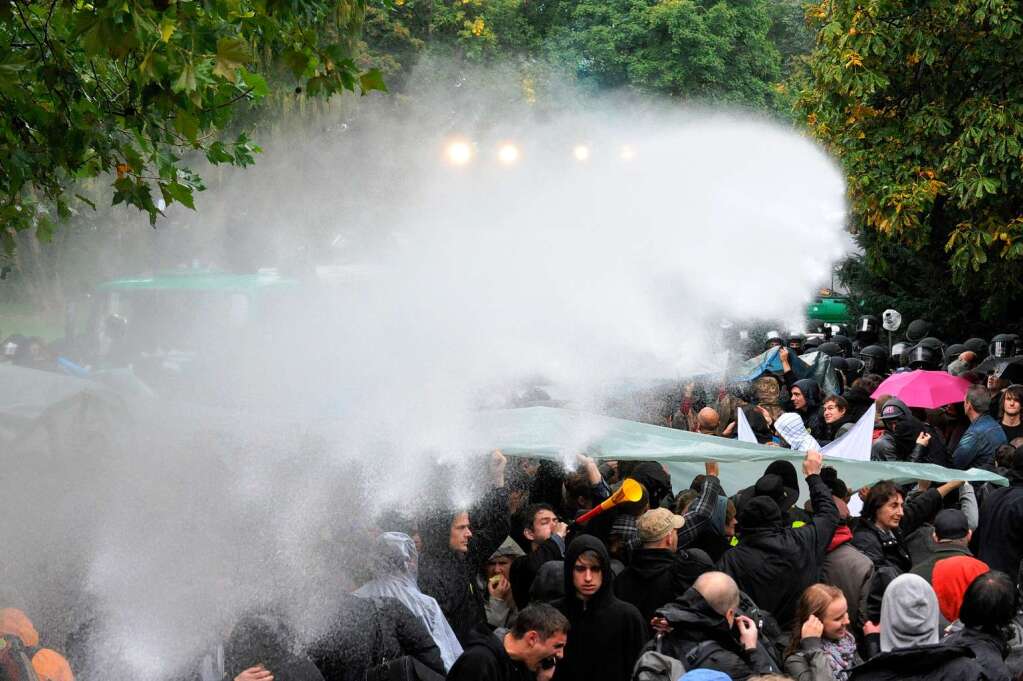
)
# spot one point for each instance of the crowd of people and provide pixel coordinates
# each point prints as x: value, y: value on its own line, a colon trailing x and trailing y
x: 692, y: 580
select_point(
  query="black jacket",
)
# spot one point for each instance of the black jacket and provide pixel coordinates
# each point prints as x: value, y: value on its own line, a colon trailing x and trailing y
x: 525, y: 568
x: 606, y: 634
x: 775, y: 565
x: 998, y: 540
x: 701, y: 638
x: 450, y: 577
x: 883, y: 552
x: 485, y: 659
x: 263, y: 639
x: 926, y: 663
x: 656, y: 577
x: 989, y: 650
x: 369, y: 631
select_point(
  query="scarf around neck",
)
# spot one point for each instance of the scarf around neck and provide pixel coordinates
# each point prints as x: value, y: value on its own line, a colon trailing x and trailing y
x: 841, y: 655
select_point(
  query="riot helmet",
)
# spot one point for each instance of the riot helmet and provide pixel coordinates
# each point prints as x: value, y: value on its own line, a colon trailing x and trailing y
x: 917, y: 330
x: 831, y: 349
x: 811, y: 343
x: 875, y: 359
x: 844, y: 343
x: 924, y: 356
x: 899, y: 354
x: 867, y: 327
x: 953, y: 351
x: 853, y: 368
x: 774, y: 340
x: 1003, y: 346
x: 795, y: 342
x: 977, y: 346
x: 933, y: 343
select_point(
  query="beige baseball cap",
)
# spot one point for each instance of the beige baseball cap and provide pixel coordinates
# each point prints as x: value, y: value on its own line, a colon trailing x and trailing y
x: 656, y: 524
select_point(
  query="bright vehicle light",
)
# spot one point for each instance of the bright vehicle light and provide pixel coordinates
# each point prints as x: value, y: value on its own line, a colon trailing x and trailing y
x: 508, y: 153
x: 581, y: 152
x: 458, y: 152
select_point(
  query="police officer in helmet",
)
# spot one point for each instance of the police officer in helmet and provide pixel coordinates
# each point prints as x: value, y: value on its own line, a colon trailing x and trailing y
x: 875, y: 360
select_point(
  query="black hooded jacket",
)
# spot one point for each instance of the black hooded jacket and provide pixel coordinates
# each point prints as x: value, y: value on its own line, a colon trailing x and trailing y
x: 263, y: 639
x: 656, y: 577
x: 890, y: 550
x: 606, y: 634
x: 702, y: 639
x: 450, y: 577
x: 859, y: 402
x: 907, y: 428
x: 773, y: 565
x: 811, y: 414
x: 999, y: 536
x: 485, y: 659
x: 925, y: 663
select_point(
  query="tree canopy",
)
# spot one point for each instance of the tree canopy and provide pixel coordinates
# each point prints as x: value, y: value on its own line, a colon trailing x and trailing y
x: 130, y: 88
x: 923, y: 105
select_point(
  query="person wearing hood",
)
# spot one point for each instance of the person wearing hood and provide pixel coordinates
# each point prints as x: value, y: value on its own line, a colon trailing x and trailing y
x: 909, y: 640
x: 998, y: 540
x: 395, y: 577
x: 987, y: 613
x: 607, y: 634
x: 707, y: 631
x: 805, y: 396
x: 914, y: 440
x: 495, y: 580
x: 263, y: 642
x: 529, y: 650
x: 456, y: 550
x: 773, y: 564
x: 887, y: 518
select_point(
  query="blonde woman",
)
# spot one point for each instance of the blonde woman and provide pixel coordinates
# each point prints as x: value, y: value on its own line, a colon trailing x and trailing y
x: 822, y: 647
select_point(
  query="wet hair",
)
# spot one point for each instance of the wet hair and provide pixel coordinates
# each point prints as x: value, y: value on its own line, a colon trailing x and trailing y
x: 684, y: 498
x: 979, y: 398
x: 838, y: 401
x: 544, y: 619
x: 877, y: 497
x: 577, y: 485
x: 591, y: 558
x: 816, y: 599
x: 868, y: 382
x: 530, y: 516
x: 990, y: 602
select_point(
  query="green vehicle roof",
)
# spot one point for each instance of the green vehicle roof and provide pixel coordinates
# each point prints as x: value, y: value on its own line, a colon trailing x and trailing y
x: 829, y: 310
x: 200, y: 281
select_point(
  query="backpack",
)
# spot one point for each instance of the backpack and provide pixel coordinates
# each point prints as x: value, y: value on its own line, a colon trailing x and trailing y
x: 653, y: 665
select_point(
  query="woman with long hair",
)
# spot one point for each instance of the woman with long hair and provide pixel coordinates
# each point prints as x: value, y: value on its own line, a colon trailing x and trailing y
x: 821, y: 647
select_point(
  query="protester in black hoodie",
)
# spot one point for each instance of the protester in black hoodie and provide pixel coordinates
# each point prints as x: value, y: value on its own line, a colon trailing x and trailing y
x: 455, y: 550
x: 607, y: 634
x: 774, y: 564
x: 263, y: 640
x: 906, y: 431
x: 525, y: 652
x: 806, y: 401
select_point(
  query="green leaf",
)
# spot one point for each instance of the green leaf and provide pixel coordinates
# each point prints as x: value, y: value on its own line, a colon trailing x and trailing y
x: 372, y: 80
x: 186, y: 81
x: 187, y: 125
x: 175, y: 191
x: 232, y: 53
x: 256, y: 83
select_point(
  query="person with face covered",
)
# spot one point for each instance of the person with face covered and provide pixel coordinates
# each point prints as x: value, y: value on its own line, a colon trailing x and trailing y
x: 913, y: 440
x: 821, y: 647
x: 607, y: 634
x: 908, y: 640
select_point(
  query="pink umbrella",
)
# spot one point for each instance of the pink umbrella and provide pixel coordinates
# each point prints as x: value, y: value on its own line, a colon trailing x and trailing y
x: 927, y: 389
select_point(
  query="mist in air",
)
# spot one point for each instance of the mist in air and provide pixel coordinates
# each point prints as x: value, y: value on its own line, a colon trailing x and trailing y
x: 477, y: 242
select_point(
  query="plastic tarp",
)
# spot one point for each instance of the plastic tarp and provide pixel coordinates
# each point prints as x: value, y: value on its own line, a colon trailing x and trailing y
x: 815, y: 365
x: 558, y: 434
